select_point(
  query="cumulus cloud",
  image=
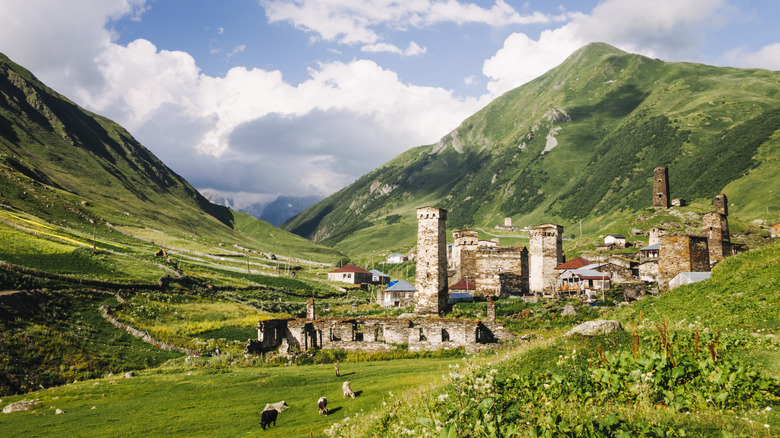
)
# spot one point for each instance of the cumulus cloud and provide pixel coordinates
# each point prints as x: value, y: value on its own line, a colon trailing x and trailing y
x: 668, y: 29
x: 230, y: 133
x: 358, y: 21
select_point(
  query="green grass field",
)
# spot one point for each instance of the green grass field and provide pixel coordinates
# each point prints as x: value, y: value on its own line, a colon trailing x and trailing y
x: 215, y: 401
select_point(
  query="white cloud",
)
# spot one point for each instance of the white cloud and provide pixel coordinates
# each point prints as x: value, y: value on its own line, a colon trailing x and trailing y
x: 663, y: 28
x: 768, y: 57
x: 357, y: 21
x: 217, y: 131
x: 237, y: 49
x: 412, y: 50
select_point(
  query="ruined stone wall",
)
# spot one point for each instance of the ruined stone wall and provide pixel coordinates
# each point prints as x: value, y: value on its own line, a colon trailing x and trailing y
x: 502, y: 271
x: 545, y: 253
x: 431, y: 276
x: 716, y: 228
x: 681, y: 254
x: 648, y: 271
x: 374, y: 334
x: 661, y: 187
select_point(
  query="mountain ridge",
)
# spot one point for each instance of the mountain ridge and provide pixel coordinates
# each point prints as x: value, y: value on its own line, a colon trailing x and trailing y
x: 579, y: 141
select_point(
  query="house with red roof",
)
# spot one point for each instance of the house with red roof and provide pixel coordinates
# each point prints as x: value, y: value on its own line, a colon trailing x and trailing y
x: 350, y: 274
x: 575, y: 263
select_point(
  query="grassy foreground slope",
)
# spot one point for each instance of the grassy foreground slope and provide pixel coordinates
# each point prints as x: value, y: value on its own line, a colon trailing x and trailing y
x: 208, y: 399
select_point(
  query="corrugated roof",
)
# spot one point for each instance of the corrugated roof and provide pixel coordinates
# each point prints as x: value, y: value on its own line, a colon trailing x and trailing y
x: 617, y: 236
x: 400, y: 286
x: 463, y: 285
x: 653, y: 247
x: 589, y: 274
x: 378, y: 273
x: 576, y: 262
x: 350, y: 268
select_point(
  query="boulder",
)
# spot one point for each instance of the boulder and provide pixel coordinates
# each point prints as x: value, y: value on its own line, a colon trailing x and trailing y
x: 19, y: 406
x: 59, y: 412
x: 129, y: 374
x: 595, y: 328
x: 568, y: 310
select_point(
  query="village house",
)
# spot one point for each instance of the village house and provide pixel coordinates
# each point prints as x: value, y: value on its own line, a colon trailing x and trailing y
x: 462, y: 291
x: 618, y: 241
x: 350, y: 274
x: 776, y: 230
x: 399, y: 293
x: 378, y: 277
x: 582, y: 281
x: 394, y: 259
x: 649, y: 253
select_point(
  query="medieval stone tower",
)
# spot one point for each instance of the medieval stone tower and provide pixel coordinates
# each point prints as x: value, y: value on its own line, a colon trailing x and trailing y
x: 545, y: 253
x: 430, y: 295
x: 661, y: 187
x: 721, y: 204
x: 716, y: 228
x: 464, y: 248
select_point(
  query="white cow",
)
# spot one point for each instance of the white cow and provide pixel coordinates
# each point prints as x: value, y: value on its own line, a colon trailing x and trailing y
x: 347, y: 390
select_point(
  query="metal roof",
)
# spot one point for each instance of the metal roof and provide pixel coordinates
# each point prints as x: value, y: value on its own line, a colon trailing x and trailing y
x: 653, y: 247
x: 400, y: 286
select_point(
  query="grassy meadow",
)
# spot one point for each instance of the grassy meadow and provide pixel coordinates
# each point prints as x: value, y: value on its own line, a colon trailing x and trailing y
x: 207, y: 399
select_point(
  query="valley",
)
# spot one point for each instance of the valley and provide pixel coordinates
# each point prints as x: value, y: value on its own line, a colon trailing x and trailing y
x: 94, y: 227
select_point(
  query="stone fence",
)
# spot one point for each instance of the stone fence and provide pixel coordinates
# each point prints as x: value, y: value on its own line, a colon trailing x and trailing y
x: 144, y: 336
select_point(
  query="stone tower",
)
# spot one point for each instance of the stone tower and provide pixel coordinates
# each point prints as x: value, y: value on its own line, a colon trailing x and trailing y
x: 464, y: 248
x: 716, y: 228
x: 431, y: 292
x: 661, y: 187
x: 681, y: 254
x: 721, y: 204
x: 545, y: 253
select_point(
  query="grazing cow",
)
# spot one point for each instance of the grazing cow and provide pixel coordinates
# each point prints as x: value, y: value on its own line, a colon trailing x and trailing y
x: 322, y: 403
x: 268, y: 417
x: 347, y: 390
x: 278, y: 406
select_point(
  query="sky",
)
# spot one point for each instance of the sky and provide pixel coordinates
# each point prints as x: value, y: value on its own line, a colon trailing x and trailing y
x: 251, y: 99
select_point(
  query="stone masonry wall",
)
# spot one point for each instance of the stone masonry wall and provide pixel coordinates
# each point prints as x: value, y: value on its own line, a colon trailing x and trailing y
x: 545, y: 253
x: 464, y: 248
x: 431, y: 276
x: 502, y: 271
x: 681, y: 254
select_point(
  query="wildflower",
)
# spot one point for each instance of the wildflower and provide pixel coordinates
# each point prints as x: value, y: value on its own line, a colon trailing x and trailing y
x: 768, y: 408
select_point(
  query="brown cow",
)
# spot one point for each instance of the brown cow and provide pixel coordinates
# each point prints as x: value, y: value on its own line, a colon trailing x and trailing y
x: 322, y: 403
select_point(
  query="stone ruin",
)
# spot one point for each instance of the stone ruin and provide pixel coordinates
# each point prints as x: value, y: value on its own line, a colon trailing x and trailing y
x: 376, y: 334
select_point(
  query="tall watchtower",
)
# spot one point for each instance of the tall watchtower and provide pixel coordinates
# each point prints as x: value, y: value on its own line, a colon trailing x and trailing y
x: 661, y: 187
x: 430, y: 296
x: 721, y: 204
x: 545, y: 253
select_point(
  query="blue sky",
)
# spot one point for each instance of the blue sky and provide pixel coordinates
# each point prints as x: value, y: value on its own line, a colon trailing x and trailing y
x: 251, y: 99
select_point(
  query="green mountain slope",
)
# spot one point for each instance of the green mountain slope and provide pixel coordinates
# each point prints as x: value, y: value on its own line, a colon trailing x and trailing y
x: 80, y: 180
x: 577, y: 143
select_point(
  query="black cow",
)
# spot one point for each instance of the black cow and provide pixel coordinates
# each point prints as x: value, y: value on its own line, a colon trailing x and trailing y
x: 322, y: 403
x: 268, y: 417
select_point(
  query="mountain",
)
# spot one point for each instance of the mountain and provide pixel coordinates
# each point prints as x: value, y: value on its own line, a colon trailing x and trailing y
x: 275, y: 212
x: 74, y: 169
x: 576, y: 144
